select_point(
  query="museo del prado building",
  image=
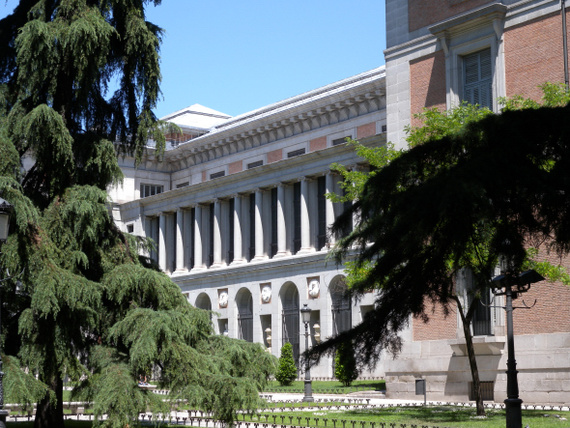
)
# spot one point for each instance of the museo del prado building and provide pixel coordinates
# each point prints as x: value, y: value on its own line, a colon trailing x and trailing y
x: 238, y: 212
x: 237, y: 206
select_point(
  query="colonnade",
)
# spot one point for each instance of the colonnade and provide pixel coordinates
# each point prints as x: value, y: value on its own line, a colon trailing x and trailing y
x: 271, y: 222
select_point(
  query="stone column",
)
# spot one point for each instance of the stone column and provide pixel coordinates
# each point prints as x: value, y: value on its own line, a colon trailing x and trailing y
x: 329, y: 207
x: 162, y: 242
x: 259, y: 255
x: 305, y: 222
x: 180, y: 240
x: 281, y: 226
x: 217, y: 250
x: 198, y: 264
x: 238, y: 255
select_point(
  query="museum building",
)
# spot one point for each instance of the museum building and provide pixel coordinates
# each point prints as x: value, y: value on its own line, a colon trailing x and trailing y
x: 238, y: 211
x: 237, y: 205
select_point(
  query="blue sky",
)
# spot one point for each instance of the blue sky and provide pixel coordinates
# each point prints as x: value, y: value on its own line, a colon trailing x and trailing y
x: 237, y: 56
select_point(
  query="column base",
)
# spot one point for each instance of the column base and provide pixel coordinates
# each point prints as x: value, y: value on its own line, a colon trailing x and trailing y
x: 259, y: 258
x: 279, y: 255
x: 198, y: 269
x: 237, y: 262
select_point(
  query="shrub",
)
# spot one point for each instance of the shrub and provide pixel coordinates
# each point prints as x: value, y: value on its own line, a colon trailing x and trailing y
x: 345, y: 364
x: 286, y: 371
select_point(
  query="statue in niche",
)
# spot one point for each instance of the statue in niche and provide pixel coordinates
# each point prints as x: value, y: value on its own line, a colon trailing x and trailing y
x: 223, y: 299
x: 314, y: 288
x: 266, y: 294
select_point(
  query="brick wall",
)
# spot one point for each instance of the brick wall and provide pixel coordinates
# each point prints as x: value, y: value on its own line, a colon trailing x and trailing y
x: 533, y: 55
x: 438, y: 327
x: 274, y: 156
x: 427, y: 83
x: 318, y: 144
x: 427, y: 12
x: 551, y: 314
x: 367, y: 130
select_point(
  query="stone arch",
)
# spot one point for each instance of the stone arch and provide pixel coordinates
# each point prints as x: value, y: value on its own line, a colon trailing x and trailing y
x: 244, y: 303
x: 289, y: 297
x: 203, y: 301
x: 341, y: 305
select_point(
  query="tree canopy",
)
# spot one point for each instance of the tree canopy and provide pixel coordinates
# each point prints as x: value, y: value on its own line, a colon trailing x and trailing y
x: 501, y: 180
x: 78, y: 82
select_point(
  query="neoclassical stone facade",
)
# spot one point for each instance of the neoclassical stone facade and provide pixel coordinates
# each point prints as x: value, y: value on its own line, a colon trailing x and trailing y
x: 239, y: 215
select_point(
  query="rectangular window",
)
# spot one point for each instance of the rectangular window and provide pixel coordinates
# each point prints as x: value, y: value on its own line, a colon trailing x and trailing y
x: 251, y: 252
x: 217, y: 174
x: 478, y: 78
x: 130, y: 228
x: 296, y: 217
x: 273, y: 248
x: 296, y: 153
x: 254, y: 164
x: 211, y: 235
x: 151, y: 189
x: 232, y: 203
x: 338, y: 141
x: 487, y: 391
x: 321, y: 205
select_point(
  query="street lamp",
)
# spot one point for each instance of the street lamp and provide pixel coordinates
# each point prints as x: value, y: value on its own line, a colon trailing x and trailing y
x: 306, y: 318
x: 510, y: 286
x: 5, y: 210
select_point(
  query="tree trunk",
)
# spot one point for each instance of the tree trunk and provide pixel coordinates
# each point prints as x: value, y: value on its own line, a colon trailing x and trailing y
x: 48, y: 414
x: 466, y: 322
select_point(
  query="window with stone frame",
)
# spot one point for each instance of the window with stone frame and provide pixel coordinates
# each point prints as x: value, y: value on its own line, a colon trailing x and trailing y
x: 478, y: 78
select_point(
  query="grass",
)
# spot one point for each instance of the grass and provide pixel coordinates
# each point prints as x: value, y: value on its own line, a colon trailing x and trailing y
x: 430, y: 416
x: 328, y: 387
x: 440, y: 416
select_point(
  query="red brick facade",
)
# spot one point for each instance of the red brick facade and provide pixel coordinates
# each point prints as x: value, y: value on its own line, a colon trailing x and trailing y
x: 427, y: 83
x: 427, y: 12
x: 318, y: 144
x: 439, y: 327
x: 235, y: 167
x: 551, y: 314
x: 533, y: 55
x: 367, y: 130
x: 274, y: 156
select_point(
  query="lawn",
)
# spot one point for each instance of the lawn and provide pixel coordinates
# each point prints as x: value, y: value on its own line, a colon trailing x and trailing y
x: 440, y: 416
x: 388, y: 417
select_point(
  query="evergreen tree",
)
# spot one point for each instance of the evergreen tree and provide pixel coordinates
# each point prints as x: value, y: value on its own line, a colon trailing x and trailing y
x: 345, y: 364
x: 78, y: 81
x: 471, y: 182
x: 286, y: 369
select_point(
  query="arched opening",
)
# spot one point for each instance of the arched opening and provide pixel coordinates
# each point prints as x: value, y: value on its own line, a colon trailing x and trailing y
x: 290, y: 305
x: 341, y: 306
x: 244, y: 302
x: 203, y: 302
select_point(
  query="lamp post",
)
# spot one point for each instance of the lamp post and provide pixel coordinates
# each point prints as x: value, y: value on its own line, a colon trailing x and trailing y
x: 503, y: 286
x: 306, y: 318
x: 5, y: 211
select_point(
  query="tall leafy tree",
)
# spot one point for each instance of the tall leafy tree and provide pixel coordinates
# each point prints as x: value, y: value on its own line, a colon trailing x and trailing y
x: 449, y: 203
x: 78, y: 82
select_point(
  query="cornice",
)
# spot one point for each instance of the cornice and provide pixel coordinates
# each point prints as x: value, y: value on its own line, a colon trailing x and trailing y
x: 325, y: 106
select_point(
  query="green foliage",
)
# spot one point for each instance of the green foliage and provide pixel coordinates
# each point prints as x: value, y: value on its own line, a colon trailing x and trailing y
x: 78, y: 82
x: 355, y: 179
x: 345, y: 364
x: 473, y: 188
x: 437, y: 124
x: 286, y: 370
